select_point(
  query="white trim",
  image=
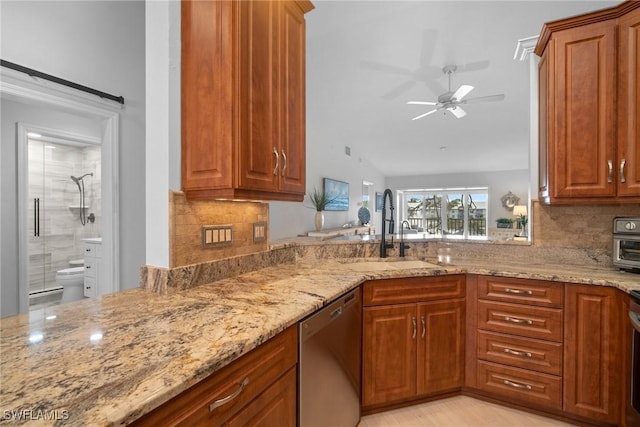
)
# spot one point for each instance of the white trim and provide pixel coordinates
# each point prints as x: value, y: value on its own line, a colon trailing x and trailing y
x: 525, y: 47
x: 35, y: 92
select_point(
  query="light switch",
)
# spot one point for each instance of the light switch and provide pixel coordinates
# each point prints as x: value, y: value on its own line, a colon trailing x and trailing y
x: 259, y: 231
x: 217, y: 235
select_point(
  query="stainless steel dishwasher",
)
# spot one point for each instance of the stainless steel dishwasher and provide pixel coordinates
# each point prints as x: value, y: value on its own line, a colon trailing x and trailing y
x: 329, y: 365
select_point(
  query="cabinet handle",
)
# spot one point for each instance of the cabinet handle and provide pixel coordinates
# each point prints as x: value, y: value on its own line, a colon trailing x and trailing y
x: 88, y: 267
x: 517, y: 385
x: 424, y: 326
x: 518, y: 353
x: 275, y: 170
x: 518, y: 291
x: 610, y: 177
x: 229, y: 398
x: 622, y: 164
x: 87, y: 250
x: 415, y: 327
x: 516, y: 320
x: 284, y: 162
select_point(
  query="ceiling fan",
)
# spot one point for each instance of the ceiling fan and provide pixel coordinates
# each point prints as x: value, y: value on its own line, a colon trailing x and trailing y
x: 451, y: 101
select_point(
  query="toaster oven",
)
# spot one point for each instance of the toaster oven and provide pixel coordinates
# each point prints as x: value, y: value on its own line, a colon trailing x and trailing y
x: 626, y: 243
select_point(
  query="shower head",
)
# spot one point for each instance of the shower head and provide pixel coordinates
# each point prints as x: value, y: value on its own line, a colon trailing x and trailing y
x: 77, y: 181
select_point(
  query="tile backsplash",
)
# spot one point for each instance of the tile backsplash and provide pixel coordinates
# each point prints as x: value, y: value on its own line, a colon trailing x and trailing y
x: 187, y: 217
x: 578, y: 226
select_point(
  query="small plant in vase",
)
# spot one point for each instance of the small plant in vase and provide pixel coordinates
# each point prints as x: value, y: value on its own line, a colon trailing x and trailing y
x: 504, y: 222
x: 320, y: 199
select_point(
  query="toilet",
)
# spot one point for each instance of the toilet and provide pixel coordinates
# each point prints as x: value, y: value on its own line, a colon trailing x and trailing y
x: 72, y: 282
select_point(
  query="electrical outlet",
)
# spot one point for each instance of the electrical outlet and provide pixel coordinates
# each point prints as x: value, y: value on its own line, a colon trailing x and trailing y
x: 217, y: 235
x: 259, y: 231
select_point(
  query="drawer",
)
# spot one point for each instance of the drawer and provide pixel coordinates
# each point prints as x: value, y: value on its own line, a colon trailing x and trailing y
x: 90, y: 290
x: 526, y: 353
x: 245, y: 379
x: 92, y: 250
x: 517, y: 319
x: 413, y: 289
x: 520, y: 384
x: 521, y: 291
x: 91, y: 267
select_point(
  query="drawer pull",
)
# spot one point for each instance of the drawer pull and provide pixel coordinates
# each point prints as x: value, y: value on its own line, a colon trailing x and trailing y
x: 516, y: 320
x: 517, y: 385
x: 518, y: 353
x: 518, y: 291
x: 229, y: 398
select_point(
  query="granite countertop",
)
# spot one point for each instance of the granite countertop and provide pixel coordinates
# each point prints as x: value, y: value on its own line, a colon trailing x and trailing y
x: 109, y: 360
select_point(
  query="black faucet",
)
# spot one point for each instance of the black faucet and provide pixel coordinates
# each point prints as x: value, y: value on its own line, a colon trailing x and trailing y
x: 383, y: 243
x: 403, y: 245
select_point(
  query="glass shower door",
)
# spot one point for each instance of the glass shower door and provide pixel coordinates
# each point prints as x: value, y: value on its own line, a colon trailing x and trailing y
x: 36, y: 240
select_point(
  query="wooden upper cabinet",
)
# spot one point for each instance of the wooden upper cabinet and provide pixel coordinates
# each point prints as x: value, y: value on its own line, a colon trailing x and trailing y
x: 243, y: 99
x: 629, y: 103
x: 584, y: 79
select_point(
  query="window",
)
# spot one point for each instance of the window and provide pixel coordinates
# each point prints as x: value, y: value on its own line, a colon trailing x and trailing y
x: 448, y: 212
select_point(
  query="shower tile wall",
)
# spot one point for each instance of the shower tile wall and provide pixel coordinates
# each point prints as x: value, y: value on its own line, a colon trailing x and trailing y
x: 61, y: 231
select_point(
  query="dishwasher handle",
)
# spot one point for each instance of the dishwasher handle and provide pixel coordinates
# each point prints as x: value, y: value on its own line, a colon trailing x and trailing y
x: 323, y: 317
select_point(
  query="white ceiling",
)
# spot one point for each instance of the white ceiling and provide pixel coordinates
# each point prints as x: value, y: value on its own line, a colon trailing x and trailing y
x: 364, y: 56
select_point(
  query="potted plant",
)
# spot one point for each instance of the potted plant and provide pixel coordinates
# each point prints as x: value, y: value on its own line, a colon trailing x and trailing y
x: 320, y: 199
x: 504, y: 222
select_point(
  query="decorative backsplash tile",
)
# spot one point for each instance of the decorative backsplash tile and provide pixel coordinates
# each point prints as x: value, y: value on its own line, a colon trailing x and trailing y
x: 187, y: 217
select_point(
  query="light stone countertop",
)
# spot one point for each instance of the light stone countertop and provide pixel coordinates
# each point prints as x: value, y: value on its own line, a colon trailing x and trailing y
x: 109, y: 360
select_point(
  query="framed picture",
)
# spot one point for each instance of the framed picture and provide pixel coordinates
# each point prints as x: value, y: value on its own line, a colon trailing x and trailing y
x: 378, y: 202
x: 339, y: 191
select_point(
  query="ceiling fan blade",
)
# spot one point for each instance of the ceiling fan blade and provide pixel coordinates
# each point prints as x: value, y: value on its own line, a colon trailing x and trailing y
x: 423, y: 103
x: 473, y: 66
x: 489, y: 98
x: 393, y: 93
x: 425, y: 114
x: 457, y: 111
x: 386, y: 68
x: 462, y: 92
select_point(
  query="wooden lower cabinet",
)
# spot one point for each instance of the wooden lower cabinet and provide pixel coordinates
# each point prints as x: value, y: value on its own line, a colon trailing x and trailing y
x: 259, y: 389
x: 593, y: 345
x: 411, y: 350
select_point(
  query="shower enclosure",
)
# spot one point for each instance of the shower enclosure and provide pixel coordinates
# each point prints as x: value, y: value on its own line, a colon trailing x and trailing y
x: 62, y: 203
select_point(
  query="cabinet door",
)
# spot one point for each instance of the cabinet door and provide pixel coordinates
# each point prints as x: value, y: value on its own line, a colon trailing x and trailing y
x: 440, y: 346
x: 207, y: 94
x: 292, y: 99
x: 584, y: 115
x: 258, y: 150
x: 389, y: 353
x: 592, y: 352
x: 629, y: 105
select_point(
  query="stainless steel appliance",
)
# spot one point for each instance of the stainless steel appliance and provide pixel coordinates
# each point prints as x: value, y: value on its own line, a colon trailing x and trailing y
x: 626, y: 243
x: 633, y: 406
x: 329, y: 364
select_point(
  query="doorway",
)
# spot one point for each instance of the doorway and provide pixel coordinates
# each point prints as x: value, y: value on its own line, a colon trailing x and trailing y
x: 21, y: 89
x: 64, y: 205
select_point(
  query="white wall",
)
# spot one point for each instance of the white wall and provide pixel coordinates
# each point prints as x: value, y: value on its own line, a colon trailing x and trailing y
x: 499, y: 184
x: 100, y: 44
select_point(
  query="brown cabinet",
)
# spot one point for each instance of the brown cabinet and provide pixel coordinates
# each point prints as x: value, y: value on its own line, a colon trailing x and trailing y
x: 413, y: 341
x: 593, y: 346
x: 518, y: 340
x: 243, y: 99
x: 588, y: 108
x: 257, y: 389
